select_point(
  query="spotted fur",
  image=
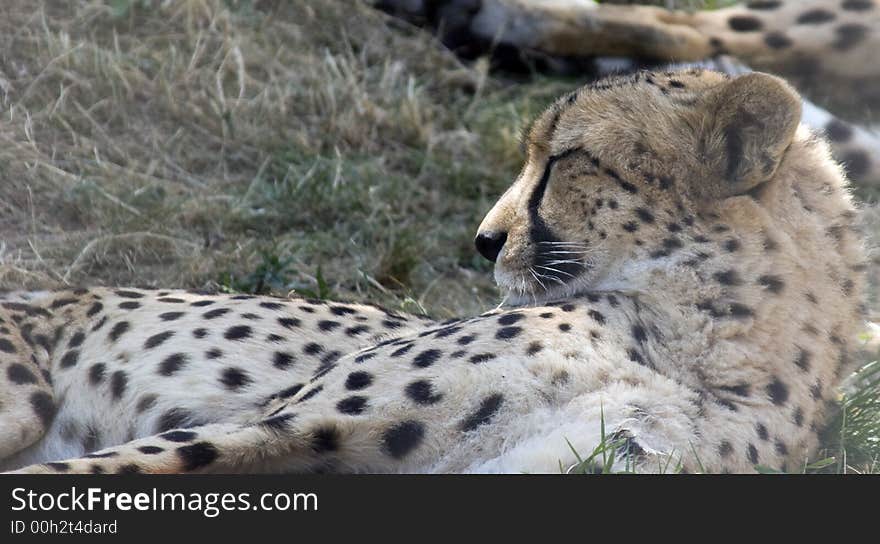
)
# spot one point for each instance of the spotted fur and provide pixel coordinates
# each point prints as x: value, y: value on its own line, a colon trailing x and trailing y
x: 679, y: 261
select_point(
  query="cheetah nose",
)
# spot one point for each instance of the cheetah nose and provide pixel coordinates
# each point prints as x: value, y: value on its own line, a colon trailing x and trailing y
x: 489, y: 244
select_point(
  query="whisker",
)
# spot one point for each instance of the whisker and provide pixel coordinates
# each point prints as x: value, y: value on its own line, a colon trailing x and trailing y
x: 534, y: 275
x: 554, y: 278
x: 556, y: 270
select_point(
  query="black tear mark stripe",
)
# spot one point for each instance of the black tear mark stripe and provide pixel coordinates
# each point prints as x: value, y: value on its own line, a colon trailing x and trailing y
x: 540, y: 231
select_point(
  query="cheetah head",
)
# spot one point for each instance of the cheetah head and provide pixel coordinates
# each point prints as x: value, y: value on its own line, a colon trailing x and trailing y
x: 616, y: 168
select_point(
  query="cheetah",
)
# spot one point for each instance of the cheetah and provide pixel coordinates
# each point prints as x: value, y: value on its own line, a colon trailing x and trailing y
x: 682, y: 275
x: 826, y: 48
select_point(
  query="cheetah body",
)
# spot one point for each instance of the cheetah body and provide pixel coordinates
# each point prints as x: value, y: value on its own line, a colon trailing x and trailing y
x: 685, y: 278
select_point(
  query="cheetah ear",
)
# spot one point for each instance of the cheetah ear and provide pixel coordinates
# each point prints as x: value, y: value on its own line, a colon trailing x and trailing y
x: 747, y: 125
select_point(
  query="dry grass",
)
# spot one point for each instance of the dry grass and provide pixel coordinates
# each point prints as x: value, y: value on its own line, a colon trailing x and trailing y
x: 201, y: 142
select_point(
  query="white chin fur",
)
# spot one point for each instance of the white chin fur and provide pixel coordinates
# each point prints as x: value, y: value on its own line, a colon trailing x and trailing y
x: 521, y: 290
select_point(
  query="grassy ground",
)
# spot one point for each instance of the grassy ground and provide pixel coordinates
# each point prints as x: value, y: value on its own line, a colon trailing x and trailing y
x: 260, y: 146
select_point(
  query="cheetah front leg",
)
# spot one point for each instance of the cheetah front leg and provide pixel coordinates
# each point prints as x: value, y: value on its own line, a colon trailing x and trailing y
x: 27, y: 403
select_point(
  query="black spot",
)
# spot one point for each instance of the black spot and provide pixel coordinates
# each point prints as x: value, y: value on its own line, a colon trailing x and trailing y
x: 238, y: 332
x: 19, y: 374
x: 150, y: 450
x: 94, y: 309
x: 753, y: 454
x: 777, y: 391
x: 157, y: 339
x: 325, y: 439
x: 364, y: 357
x: 278, y: 422
x: 282, y: 359
x: 481, y: 358
x: 639, y: 334
x: 741, y: 389
x: 311, y: 393
x: 353, y: 405
x: 488, y: 407
x: 145, y: 403
x: 6, y: 346
x: 69, y: 359
x: 197, y: 455
x: 803, y: 360
x: 838, y: 131
x: 764, y: 4
x: 781, y: 448
x: 762, y: 431
x: 422, y: 392
x: 564, y: 327
x: 427, y: 358
x: 172, y: 364
x: 857, y: 5
x: 402, y: 351
x: 798, y: 416
x: 118, y: 384
x: 506, y: 333
x: 215, y: 313
x: 129, y: 305
x: 171, y: 300
x: 772, y: 283
x: 58, y: 467
x: 467, y: 339
x: 129, y: 294
x: 43, y: 406
x: 96, y: 373
x: 289, y: 322
x: 118, y: 330
x: 568, y: 307
x: 173, y: 419
x: 388, y: 324
x: 76, y: 340
x: 312, y: 348
x: 725, y: 448
x: 328, y: 326
x: 534, y: 348
x: 849, y: 36
x: 178, y: 436
x: 234, y: 378
x: 631, y: 226
x: 597, y: 316
x: 271, y: 305
x: 739, y: 310
x: 728, y: 277
x: 213, y: 353
x: 645, y: 215
x: 358, y: 380
x: 731, y: 245
x: 400, y: 439
x: 171, y: 316
x: 356, y: 330
x: 201, y: 303
x: 745, y: 23
x: 200, y: 333
x: 815, y: 17
x: 510, y: 319
x: 635, y: 356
